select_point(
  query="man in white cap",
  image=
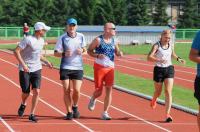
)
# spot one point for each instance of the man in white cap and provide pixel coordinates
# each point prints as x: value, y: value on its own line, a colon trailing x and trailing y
x: 70, y: 47
x: 28, y: 53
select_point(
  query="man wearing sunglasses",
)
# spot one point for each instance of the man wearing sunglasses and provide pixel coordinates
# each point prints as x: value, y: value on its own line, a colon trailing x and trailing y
x: 70, y: 47
x: 103, y: 48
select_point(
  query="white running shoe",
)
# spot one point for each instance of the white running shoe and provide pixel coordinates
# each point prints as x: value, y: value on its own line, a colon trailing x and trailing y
x: 105, y: 116
x: 91, y: 104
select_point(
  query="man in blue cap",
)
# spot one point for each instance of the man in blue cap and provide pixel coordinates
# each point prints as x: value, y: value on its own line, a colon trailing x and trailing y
x: 70, y: 47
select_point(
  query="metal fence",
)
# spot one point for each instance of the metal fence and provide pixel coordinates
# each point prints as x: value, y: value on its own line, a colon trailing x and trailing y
x: 17, y: 32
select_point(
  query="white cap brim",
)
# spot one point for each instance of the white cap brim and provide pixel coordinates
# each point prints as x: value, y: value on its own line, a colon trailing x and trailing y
x: 47, y: 28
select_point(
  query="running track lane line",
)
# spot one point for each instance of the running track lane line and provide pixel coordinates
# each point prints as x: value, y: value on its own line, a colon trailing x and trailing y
x: 6, y: 124
x: 118, y: 109
x: 49, y: 105
x: 146, y: 64
x: 147, y: 71
x: 140, y: 63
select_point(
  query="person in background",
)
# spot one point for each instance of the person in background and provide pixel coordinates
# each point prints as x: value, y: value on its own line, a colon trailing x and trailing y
x: 26, y: 30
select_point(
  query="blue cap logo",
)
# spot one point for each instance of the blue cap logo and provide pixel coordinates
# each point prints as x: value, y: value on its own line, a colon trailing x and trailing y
x: 71, y: 21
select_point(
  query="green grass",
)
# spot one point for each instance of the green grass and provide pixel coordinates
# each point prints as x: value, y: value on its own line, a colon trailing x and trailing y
x: 181, y: 49
x: 135, y: 49
x: 181, y: 96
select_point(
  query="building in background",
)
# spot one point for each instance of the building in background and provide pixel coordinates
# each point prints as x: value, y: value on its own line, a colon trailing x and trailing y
x: 174, y: 9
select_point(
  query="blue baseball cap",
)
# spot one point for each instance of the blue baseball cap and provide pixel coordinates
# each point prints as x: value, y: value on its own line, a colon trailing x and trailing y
x: 71, y: 21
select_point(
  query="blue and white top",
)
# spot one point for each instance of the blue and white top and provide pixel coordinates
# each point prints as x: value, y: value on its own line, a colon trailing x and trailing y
x: 165, y: 54
x: 196, y: 45
x: 64, y: 43
x: 31, y: 52
x: 108, y: 49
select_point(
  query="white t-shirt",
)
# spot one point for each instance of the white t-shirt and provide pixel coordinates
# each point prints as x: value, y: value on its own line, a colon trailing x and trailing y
x: 66, y: 42
x: 31, y: 52
x: 165, y: 54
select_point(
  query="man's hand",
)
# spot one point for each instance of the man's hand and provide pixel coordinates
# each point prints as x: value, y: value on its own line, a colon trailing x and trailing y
x: 26, y: 69
x: 68, y: 53
x: 79, y: 51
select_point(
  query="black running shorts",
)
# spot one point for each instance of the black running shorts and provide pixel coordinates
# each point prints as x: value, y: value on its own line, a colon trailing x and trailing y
x: 161, y: 73
x: 29, y: 79
x: 71, y: 74
x: 197, y: 89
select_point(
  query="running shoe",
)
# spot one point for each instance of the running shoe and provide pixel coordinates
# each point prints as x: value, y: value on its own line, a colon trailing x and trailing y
x: 91, y: 104
x: 69, y: 116
x: 32, y: 118
x: 168, y: 119
x: 21, y: 110
x: 105, y: 116
x: 76, y: 113
x: 153, y: 104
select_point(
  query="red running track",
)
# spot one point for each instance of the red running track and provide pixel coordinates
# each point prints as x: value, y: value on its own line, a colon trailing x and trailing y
x: 130, y: 113
x: 134, y: 65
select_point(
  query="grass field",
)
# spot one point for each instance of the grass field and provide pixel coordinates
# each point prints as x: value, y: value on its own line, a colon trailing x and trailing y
x: 181, y: 95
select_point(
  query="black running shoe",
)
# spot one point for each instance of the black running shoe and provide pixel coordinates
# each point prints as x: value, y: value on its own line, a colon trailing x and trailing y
x: 169, y: 119
x: 21, y: 110
x: 69, y: 116
x: 76, y: 113
x: 32, y: 118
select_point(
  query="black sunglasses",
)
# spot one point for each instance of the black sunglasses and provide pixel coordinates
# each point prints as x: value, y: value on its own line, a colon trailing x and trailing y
x: 113, y: 28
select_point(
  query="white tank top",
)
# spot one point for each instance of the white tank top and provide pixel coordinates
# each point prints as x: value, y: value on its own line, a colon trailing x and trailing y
x: 165, y: 54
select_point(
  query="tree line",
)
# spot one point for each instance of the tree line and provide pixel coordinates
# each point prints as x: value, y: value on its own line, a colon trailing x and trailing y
x: 95, y: 12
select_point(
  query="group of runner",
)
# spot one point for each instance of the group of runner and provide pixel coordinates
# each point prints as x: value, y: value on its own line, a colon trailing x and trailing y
x: 71, y: 46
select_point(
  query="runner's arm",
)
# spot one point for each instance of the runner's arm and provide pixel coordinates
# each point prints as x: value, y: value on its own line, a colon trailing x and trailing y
x: 92, y: 47
x: 117, y: 50
x: 194, y: 55
x: 151, y: 55
x: 179, y: 59
x: 19, y: 58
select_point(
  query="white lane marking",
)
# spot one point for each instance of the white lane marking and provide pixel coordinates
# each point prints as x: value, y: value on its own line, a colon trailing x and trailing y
x: 7, y: 125
x: 104, y: 123
x: 146, y: 71
x: 118, y: 109
x: 51, y: 106
x: 111, y: 105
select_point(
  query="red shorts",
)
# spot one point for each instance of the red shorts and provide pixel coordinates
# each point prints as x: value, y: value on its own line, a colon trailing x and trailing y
x: 103, y: 75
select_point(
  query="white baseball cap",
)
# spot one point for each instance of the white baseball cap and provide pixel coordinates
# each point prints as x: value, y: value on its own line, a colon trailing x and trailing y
x: 40, y: 26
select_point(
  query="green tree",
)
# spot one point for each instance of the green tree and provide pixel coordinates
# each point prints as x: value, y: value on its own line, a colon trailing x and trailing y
x: 86, y: 12
x: 159, y: 15
x: 189, y: 18
x: 138, y: 12
x: 61, y: 10
x: 12, y: 12
x: 38, y: 11
x: 111, y: 11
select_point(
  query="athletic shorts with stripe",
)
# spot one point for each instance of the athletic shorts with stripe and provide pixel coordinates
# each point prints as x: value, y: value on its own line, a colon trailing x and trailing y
x: 161, y: 73
x: 103, y: 75
x: 29, y: 79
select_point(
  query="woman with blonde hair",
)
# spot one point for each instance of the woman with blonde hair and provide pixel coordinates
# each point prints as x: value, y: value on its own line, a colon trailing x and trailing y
x: 162, y: 53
